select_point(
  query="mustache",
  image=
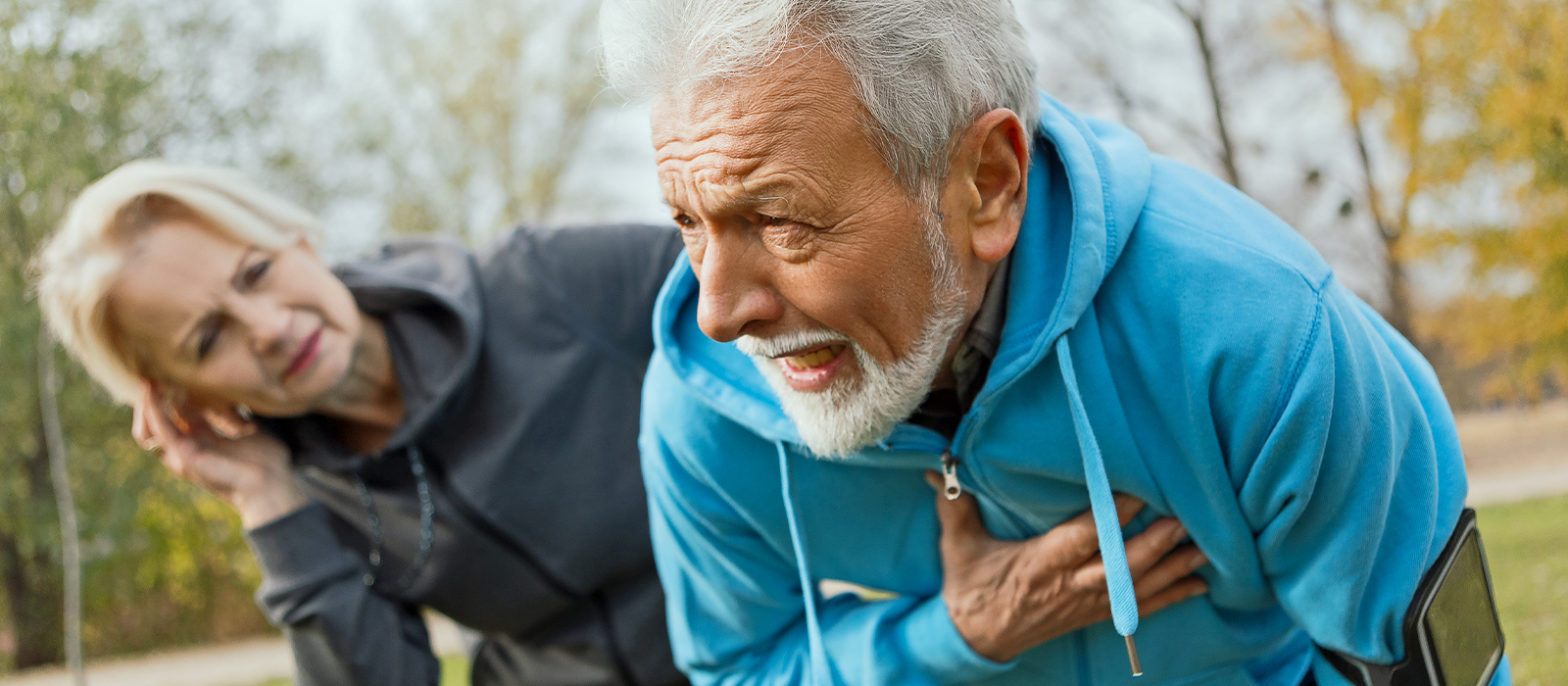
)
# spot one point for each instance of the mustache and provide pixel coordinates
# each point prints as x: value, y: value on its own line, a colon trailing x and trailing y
x: 777, y: 346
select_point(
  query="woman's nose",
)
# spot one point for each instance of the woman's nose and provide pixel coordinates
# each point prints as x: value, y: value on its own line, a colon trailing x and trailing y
x: 265, y: 320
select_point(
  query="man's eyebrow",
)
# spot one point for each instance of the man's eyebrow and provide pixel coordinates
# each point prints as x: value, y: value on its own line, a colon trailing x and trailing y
x: 747, y: 197
x: 771, y: 193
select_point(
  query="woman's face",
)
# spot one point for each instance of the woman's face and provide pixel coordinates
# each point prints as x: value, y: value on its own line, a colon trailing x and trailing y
x: 231, y: 323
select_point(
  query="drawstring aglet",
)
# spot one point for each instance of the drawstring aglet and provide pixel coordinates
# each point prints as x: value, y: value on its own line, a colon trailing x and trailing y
x: 1132, y: 656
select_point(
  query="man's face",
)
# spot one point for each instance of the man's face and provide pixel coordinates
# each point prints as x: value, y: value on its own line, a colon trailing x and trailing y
x: 808, y: 252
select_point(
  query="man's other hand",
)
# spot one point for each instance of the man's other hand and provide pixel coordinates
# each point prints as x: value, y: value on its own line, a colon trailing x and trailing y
x: 1008, y: 596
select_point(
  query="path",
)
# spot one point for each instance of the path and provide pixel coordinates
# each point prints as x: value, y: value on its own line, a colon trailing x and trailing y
x: 244, y: 663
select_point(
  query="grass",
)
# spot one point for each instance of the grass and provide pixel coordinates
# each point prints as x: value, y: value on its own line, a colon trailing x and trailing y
x: 1527, y: 551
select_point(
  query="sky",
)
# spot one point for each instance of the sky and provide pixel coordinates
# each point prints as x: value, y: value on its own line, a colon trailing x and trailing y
x: 1286, y: 118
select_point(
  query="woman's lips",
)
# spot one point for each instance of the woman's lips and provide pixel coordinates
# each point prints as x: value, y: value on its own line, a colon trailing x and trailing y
x: 305, y: 355
x: 812, y: 369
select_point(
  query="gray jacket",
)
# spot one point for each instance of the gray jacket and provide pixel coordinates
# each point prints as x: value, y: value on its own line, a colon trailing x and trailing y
x: 520, y: 371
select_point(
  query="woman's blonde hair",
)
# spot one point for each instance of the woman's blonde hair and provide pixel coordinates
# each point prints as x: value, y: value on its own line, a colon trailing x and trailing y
x: 78, y: 267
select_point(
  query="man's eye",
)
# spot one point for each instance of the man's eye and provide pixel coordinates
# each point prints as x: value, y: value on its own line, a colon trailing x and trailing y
x: 685, y: 221
x: 773, y: 221
x: 254, y: 273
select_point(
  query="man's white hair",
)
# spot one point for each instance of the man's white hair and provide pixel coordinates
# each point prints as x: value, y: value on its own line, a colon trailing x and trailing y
x: 923, y: 69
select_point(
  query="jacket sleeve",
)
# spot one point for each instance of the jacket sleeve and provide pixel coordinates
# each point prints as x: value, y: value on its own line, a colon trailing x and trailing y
x: 735, y: 604
x: 341, y: 631
x: 601, y: 280
x: 1356, y: 480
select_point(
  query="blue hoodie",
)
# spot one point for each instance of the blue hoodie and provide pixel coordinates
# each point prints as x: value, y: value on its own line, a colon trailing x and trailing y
x: 1166, y: 337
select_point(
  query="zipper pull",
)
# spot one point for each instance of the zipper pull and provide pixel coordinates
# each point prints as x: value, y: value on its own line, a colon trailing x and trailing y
x: 950, y: 487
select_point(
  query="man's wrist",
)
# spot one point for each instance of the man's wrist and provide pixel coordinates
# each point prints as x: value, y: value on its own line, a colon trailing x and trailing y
x: 941, y: 650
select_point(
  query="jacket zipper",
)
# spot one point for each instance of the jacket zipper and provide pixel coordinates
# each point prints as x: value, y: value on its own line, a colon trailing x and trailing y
x: 951, y: 489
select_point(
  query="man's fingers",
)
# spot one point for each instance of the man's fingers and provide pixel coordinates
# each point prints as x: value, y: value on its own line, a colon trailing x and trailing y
x: 1077, y: 538
x: 1186, y: 588
x: 1172, y: 568
x: 1149, y: 547
x: 1089, y: 577
x: 1127, y: 507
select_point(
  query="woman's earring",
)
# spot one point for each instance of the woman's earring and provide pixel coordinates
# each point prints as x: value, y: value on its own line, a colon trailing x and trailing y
x: 244, y: 413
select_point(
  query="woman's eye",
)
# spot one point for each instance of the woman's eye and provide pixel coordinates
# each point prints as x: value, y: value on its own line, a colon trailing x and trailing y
x: 773, y: 221
x: 209, y: 338
x: 254, y: 272
x: 685, y: 221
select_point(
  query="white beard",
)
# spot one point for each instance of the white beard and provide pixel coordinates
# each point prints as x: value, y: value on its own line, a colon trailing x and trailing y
x: 848, y: 416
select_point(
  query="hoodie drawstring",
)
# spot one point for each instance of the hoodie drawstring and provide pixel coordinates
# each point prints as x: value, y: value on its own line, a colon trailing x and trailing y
x: 1113, y: 552
x: 820, y: 674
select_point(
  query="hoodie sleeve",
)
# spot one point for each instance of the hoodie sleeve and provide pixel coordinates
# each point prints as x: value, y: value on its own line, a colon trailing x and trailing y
x: 735, y: 603
x: 1356, y: 481
x: 341, y: 632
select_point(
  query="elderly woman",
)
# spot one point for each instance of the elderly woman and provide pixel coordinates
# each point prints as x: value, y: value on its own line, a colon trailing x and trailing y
x: 425, y: 427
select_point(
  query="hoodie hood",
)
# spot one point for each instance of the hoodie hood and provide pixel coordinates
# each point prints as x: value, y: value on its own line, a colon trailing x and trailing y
x: 1087, y: 184
x: 426, y: 293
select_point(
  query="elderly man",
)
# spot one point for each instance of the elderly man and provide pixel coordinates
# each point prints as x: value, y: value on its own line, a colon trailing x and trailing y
x: 905, y: 266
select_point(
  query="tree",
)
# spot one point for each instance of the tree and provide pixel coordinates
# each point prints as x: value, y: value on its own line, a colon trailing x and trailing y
x: 1450, y: 102
x: 481, y: 110
x: 1219, y: 85
x: 1399, y: 99
x: 1506, y: 70
x: 84, y: 86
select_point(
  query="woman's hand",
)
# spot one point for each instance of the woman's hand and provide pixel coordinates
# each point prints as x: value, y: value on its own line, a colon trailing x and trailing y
x: 1008, y: 596
x: 247, y: 468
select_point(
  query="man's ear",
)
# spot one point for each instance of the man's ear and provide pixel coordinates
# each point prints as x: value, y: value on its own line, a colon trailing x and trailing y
x: 993, y: 159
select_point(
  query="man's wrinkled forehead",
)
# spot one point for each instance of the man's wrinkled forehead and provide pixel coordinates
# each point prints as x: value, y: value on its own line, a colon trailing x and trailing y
x: 806, y: 88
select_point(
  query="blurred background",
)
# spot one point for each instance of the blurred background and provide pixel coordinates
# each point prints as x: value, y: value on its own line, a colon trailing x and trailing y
x: 1419, y: 144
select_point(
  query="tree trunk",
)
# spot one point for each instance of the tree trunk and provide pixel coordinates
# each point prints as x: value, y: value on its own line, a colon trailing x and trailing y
x: 1398, y: 284
x: 1391, y: 231
x: 70, y: 548
x: 31, y: 574
x: 33, y: 587
x: 1199, y: 21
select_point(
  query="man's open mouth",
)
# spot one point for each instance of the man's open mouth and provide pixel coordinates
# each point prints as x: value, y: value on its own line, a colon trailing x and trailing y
x: 813, y: 357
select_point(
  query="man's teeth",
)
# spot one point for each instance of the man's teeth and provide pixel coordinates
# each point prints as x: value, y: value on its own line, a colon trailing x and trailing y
x: 814, y: 359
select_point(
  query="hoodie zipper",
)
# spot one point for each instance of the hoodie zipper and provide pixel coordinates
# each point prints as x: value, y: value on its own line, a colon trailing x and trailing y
x: 951, y: 489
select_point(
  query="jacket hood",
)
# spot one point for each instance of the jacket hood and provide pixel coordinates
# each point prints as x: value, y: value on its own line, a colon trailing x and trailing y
x: 1087, y: 184
x: 426, y: 293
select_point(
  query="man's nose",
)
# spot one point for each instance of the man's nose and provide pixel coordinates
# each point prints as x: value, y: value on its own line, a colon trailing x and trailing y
x: 735, y: 291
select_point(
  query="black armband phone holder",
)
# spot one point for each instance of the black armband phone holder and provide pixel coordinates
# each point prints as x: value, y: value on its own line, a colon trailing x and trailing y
x: 1452, y: 635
